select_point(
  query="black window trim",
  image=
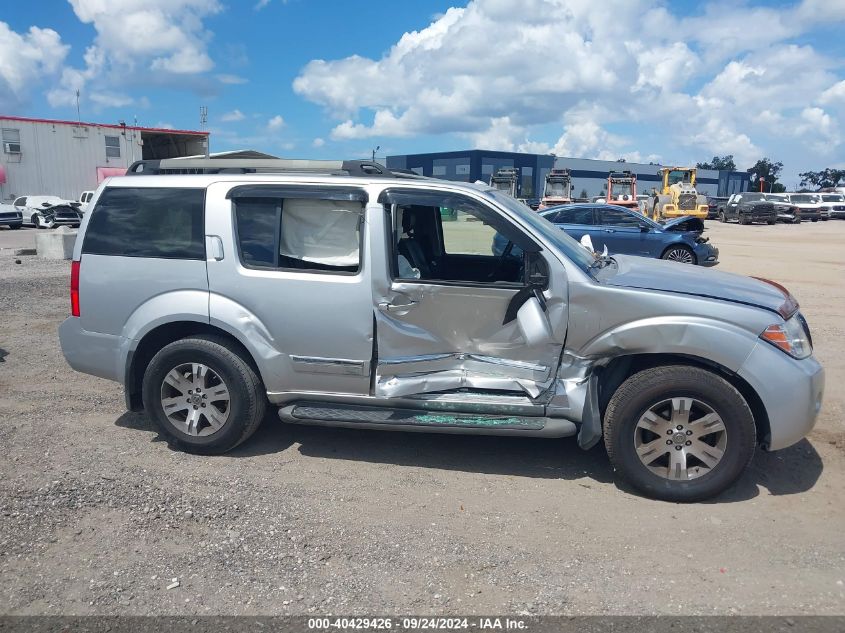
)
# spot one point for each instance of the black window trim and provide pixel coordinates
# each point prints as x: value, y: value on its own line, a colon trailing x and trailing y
x: 296, y: 192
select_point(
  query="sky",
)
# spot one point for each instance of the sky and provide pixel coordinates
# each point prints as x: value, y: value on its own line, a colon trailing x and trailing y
x: 646, y: 80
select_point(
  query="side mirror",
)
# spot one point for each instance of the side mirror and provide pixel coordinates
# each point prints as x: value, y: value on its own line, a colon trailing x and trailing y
x: 644, y: 228
x: 587, y: 242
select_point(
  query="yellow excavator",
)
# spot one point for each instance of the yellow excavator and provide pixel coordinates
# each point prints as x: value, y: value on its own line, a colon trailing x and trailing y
x: 678, y: 196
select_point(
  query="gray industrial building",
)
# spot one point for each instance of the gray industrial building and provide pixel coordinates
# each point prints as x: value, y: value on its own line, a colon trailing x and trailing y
x: 64, y: 158
x: 588, y: 176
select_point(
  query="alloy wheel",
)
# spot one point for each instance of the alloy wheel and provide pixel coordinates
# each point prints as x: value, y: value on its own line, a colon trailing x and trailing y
x: 195, y: 399
x: 681, y: 255
x: 680, y: 438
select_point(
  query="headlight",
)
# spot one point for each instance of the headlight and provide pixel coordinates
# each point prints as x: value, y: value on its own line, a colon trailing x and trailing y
x: 791, y: 336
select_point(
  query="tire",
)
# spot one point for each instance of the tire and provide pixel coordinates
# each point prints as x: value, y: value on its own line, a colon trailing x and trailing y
x: 656, y: 392
x: 815, y: 219
x: 15, y: 227
x: 797, y: 221
x: 742, y: 219
x: 36, y: 221
x: 772, y: 222
x: 679, y: 253
x: 238, y: 419
x: 722, y: 217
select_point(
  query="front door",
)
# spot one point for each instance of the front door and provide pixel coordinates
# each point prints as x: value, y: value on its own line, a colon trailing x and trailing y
x: 455, y: 308
x: 621, y: 232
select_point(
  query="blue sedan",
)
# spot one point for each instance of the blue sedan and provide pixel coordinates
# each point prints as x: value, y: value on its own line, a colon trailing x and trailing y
x: 627, y: 232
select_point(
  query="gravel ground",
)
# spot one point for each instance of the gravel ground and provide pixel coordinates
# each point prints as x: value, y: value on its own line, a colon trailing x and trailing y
x: 99, y: 516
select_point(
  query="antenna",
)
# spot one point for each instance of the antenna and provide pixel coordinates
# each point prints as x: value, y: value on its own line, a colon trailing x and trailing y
x: 203, y: 122
x: 78, y: 116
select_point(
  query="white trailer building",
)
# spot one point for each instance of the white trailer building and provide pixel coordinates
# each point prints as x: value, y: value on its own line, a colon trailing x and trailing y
x: 65, y: 158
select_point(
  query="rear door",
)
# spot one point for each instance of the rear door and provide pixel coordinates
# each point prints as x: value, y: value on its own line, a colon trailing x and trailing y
x: 286, y: 269
x: 578, y: 221
x: 454, y: 309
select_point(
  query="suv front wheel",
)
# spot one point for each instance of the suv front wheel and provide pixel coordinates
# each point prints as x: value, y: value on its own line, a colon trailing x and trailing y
x: 679, y: 433
x: 203, y: 395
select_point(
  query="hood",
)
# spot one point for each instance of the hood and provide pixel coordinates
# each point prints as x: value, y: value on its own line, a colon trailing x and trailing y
x: 684, y: 225
x: 656, y: 274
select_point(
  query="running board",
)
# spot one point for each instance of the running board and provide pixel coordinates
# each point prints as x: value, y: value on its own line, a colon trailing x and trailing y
x: 385, y: 418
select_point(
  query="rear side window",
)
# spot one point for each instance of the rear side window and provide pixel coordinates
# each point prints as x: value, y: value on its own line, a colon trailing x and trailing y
x: 309, y: 234
x: 161, y: 222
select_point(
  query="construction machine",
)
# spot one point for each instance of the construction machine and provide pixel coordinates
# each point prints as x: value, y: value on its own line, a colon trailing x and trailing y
x: 506, y: 179
x: 677, y: 196
x: 558, y: 189
x: 622, y: 190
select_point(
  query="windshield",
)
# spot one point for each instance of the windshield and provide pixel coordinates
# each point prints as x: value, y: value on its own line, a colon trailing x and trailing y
x: 804, y: 198
x: 621, y: 189
x: 773, y: 197
x: 833, y: 197
x: 556, y: 189
x: 678, y: 176
x: 569, y: 247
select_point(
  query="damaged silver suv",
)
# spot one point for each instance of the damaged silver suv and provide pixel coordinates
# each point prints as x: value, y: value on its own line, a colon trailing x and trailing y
x: 344, y: 294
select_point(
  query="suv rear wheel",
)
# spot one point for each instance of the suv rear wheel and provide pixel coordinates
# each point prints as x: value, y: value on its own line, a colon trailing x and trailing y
x: 679, y: 433
x: 203, y: 395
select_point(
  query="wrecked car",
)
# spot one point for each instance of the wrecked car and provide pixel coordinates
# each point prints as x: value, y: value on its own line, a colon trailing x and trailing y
x: 10, y: 216
x: 747, y: 208
x: 628, y: 232
x: 47, y: 212
x: 335, y: 293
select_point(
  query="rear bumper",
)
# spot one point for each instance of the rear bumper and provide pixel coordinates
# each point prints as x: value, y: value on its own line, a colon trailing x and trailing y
x: 91, y: 352
x: 791, y: 391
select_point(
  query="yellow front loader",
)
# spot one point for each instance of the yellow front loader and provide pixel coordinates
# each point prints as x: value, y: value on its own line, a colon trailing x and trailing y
x: 677, y: 196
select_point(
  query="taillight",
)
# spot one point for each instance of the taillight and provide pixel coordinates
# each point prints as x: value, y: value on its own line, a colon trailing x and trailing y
x: 74, y: 289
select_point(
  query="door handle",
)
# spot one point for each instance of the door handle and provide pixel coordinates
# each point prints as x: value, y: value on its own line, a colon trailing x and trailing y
x: 396, y: 308
x: 215, y: 247
x: 610, y: 230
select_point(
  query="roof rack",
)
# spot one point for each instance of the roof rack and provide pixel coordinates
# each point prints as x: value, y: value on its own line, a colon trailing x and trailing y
x: 364, y: 168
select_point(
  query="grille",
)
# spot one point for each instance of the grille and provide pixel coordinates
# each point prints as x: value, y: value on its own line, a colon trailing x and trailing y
x: 686, y: 201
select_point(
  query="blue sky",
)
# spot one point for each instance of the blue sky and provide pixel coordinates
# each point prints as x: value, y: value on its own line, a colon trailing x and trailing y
x: 640, y: 79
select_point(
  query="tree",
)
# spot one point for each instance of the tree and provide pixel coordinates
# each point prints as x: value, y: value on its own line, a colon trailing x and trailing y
x: 828, y: 177
x: 767, y: 171
x: 725, y: 163
x: 584, y: 194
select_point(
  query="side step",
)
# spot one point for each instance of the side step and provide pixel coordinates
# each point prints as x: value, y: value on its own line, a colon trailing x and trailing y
x: 385, y: 418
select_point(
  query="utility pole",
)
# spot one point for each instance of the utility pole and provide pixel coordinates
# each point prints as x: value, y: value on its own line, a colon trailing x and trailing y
x: 377, y: 148
x: 203, y: 122
x: 78, y: 115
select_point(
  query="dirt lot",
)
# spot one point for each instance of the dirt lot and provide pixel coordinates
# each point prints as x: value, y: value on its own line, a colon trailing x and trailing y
x: 98, y: 515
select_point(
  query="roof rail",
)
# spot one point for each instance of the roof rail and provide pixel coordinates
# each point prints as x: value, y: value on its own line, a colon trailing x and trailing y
x: 258, y: 166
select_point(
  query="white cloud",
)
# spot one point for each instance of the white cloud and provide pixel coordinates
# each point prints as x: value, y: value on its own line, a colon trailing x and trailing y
x: 164, y: 125
x: 26, y: 59
x: 261, y: 4
x: 138, y: 40
x: 231, y: 79
x: 728, y: 79
x: 318, y: 142
x: 234, y: 115
x: 276, y: 123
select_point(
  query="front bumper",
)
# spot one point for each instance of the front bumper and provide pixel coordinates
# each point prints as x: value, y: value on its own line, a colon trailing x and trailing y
x: 791, y: 391
x: 706, y: 254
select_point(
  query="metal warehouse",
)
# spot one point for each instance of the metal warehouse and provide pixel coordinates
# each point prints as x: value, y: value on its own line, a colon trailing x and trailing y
x: 589, y: 177
x: 65, y: 158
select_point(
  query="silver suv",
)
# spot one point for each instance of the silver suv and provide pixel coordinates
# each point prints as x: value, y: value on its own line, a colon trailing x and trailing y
x: 343, y: 294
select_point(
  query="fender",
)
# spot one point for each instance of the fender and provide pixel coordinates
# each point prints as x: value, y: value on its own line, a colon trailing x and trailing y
x: 722, y: 343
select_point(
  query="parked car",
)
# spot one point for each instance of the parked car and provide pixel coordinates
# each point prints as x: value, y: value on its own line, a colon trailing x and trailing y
x: 10, y: 216
x: 809, y: 205
x: 747, y: 208
x: 339, y: 297
x: 833, y: 205
x: 628, y: 232
x: 44, y: 212
x: 84, y: 199
x: 713, y: 203
x: 784, y: 209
